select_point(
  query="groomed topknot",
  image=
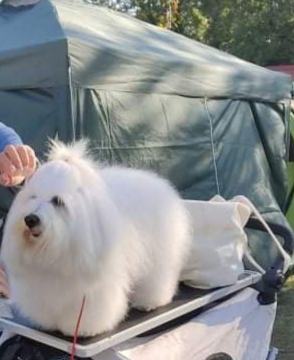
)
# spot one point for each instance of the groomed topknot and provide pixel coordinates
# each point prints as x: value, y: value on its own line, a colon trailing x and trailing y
x: 68, y: 152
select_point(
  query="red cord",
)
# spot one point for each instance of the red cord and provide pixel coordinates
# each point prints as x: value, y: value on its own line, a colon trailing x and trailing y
x: 75, y: 338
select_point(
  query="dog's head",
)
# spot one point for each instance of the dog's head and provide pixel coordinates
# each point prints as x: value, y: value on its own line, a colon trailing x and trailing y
x: 54, y: 219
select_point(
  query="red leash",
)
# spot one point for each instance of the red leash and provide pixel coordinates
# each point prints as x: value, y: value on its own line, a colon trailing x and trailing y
x: 76, y: 333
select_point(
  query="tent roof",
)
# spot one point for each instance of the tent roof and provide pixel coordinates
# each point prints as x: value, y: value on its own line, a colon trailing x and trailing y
x: 113, y: 50
x: 109, y: 50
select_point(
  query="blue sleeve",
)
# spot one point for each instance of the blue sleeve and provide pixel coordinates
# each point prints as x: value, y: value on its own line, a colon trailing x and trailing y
x: 8, y: 137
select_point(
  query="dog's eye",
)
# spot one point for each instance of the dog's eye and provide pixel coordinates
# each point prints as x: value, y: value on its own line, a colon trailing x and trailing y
x: 57, y: 201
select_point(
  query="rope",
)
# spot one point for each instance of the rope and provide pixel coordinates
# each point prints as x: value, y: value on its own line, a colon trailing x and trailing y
x: 212, y: 146
x: 75, y: 338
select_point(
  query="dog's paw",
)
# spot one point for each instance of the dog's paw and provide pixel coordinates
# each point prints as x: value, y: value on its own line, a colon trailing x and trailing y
x: 151, y: 305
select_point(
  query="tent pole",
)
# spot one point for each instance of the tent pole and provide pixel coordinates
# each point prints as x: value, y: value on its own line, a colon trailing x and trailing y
x: 72, y: 102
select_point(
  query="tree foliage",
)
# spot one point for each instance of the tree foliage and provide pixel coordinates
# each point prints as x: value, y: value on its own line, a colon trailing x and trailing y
x: 261, y: 31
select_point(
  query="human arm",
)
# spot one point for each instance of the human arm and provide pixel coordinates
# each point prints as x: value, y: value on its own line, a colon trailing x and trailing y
x: 8, y: 136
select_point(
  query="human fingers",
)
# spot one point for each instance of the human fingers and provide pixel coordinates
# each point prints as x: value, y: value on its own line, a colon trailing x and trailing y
x: 15, y: 180
x: 12, y: 154
x: 32, y: 159
x: 23, y: 155
x: 17, y: 163
x: 2, y: 272
x: 4, y: 287
x: 4, y: 290
x: 6, y: 167
x: 5, y: 180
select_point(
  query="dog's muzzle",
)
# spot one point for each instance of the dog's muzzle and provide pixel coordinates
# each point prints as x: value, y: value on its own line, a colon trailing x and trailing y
x: 32, y: 221
x: 33, y: 224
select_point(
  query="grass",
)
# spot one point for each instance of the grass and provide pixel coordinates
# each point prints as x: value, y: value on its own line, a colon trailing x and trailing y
x: 283, y: 335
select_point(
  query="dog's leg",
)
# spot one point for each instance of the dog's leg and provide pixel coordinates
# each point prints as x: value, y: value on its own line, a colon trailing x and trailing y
x: 157, y: 289
x: 104, y: 309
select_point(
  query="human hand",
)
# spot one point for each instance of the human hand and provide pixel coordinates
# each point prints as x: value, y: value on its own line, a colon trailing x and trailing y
x: 16, y: 163
x: 4, y: 287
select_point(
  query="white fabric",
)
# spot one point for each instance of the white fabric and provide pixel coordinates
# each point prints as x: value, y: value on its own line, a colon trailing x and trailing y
x: 240, y: 327
x: 219, y: 242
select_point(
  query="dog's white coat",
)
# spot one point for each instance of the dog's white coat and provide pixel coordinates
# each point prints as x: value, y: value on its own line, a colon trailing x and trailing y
x: 121, y: 237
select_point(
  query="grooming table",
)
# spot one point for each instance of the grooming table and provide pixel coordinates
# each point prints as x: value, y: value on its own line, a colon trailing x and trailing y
x: 186, y: 304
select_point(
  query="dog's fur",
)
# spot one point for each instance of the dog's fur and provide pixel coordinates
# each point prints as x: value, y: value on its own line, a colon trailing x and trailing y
x: 115, y: 235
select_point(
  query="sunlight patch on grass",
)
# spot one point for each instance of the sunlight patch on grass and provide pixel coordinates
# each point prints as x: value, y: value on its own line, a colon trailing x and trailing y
x: 283, y: 336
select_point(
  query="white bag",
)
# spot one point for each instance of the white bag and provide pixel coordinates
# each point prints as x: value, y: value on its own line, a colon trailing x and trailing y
x: 220, y: 242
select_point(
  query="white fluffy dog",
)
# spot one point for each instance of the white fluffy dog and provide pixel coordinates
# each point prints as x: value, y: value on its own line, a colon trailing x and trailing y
x: 114, y: 235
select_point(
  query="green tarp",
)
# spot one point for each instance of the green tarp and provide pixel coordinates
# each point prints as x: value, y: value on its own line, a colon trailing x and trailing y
x: 112, y: 51
x: 31, y: 38
x: 290, y: 212
x: 146, y: 97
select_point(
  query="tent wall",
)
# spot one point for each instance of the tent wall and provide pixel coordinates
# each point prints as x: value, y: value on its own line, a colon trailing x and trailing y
x: 174, y: 135
x: 290, y: 212
x: 37, y: 115
x: 203, y: 146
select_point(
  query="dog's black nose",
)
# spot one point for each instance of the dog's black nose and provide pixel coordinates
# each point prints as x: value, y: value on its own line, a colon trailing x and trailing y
x: 32, y: 220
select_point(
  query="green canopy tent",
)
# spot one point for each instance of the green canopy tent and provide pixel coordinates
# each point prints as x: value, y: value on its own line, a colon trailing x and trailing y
x: 290, y: 200
x: 146, y: 97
